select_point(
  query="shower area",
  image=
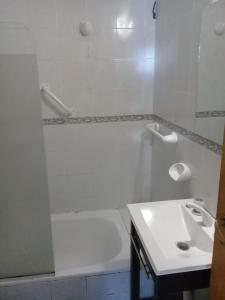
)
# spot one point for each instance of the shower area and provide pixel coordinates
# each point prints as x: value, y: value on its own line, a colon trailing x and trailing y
x: 75, y: 233
x: 55, y: 227
x: 74, y: 150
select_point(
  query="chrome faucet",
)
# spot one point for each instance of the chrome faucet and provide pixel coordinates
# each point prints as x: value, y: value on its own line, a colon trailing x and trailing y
x: 206, y: 218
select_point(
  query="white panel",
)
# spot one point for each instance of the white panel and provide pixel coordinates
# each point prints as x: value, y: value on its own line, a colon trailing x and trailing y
x: 24, y: 205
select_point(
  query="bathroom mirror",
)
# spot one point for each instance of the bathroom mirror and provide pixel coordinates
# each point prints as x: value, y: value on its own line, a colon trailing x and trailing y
x: 210, y: 106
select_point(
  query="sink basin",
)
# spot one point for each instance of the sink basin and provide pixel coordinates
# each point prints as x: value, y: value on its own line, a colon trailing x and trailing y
x: 174, y: 238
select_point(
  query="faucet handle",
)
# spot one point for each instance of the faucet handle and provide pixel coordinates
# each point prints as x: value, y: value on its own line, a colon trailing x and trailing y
x: 199, y: 201
x: 206, y: 217
x: 188, y: 205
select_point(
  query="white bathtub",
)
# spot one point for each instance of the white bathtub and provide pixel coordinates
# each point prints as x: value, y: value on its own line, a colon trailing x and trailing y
x: 89, y: 243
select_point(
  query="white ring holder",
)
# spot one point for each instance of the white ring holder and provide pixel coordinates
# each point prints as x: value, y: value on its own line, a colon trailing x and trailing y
x: 180, y: 172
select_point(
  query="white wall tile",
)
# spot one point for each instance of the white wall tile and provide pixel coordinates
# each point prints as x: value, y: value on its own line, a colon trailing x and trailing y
x: 104, y: 102
x: 130, y: 44
x: 102, y: 45
x: 136, y: 160
x: 129, y: 74
x: 211, y: 128
x: 102, y: 74
x: 71, y: 193
x: 46, y: 43
x: 29, y: 291
x: 116, y: 286
x: 69, y: 14
x: 129, y: 101
x: 103, y: 13
x: 108, y: 286
x: 41, y: 14
x: 98, y: 166
x: 69, y: 289
x: 71, y: 47
x: 73, y: 81
x: 13, y: 11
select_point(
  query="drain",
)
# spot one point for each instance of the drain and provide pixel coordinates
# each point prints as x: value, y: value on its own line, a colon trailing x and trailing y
x: 183, y: 246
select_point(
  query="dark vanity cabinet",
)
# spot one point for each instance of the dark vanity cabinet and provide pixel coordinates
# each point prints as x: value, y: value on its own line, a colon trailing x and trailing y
x: 166, y: 287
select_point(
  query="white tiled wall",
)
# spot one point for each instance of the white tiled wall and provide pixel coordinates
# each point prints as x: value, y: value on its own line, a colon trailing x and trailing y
x: 174, y: 100
x: 98, y: 166
x: 109, y: 72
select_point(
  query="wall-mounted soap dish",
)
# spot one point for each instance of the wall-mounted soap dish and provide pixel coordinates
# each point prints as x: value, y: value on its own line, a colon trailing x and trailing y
x: 155, y: 129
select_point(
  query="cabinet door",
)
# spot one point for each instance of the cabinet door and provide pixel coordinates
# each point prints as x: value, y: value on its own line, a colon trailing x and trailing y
x: 217, y: 287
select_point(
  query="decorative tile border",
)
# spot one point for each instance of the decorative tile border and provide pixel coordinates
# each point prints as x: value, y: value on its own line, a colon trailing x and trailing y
x: 94, y: 120
x: 210, y: 145
x: 210, y: 114
x: 194, y: 137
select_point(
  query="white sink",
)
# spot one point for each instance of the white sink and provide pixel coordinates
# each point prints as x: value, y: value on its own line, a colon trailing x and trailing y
x: 163, y: 225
